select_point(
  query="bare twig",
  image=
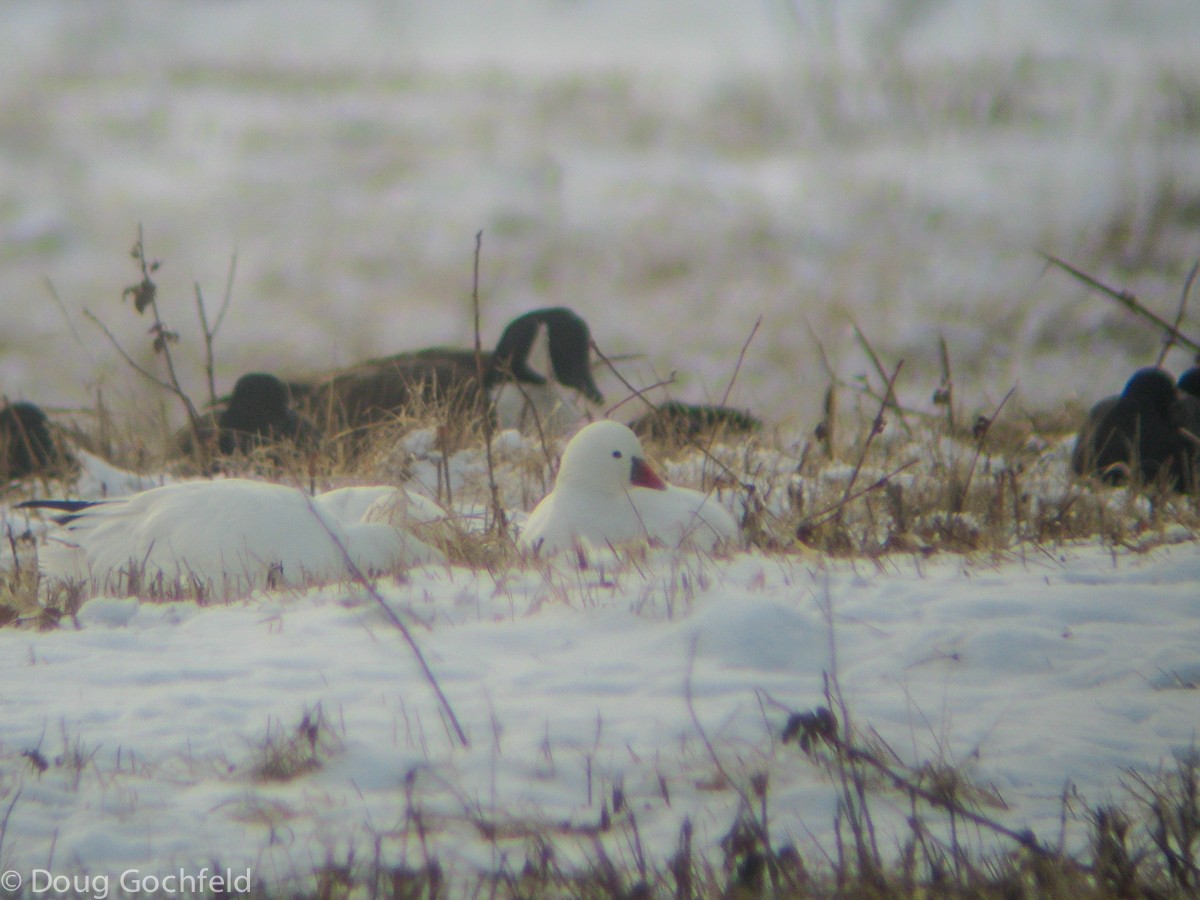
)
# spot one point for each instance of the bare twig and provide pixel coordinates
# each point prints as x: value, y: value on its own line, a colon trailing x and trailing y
x: 890, y: 397
x: 945, y: 392
x: 1126, y: 299
x: 741, y: 357
x: 758, y: 826
x: 1183, y: 301
x: 8, y: 815
x: 53, y: 291
x: 129, y: 360
x: 876, y: 428
x: 543, y: 441
x: 208, y: 346
x: 1026, y: 839
x: 982, y: 427
x: 821, y: 515
x: 498, y: 517
x: 359, y: 578
x: 725, y: 399
x: 633, y: 392
x: 228, y: 297
x: 210, y: 334
x: 145, y: 295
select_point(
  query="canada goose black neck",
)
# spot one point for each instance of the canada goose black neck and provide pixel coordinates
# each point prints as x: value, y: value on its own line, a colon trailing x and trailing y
x: 569, y: 343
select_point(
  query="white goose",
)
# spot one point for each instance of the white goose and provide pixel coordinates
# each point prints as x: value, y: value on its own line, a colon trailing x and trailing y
x: 235, y: 534
x: 607, y: 494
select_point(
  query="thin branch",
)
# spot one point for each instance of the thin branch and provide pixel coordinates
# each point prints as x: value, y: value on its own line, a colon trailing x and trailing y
x: 130, y: 361
x: 945, y: 392
x: 8, y: 815
x: 209, y: 365
x: 741, y: 357
x: 228, y: 298
x: 983, y: 426
x: 760, y: 831
x: 640, y: 394
x: 876, y: 428
x: 67, y: 319
x: 1026, y: 839
x: 890, y: 397
x: 633, y: 392
x: 498, y: 517
x: 1183, y: 301
x: 1126, y: 299
x: 820, y: 516
x: 360, y: 579
x: 737, y: 368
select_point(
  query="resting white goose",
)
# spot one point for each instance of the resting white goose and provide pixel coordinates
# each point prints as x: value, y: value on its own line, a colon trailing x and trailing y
x: 607, y: 494
x: 234, y: 534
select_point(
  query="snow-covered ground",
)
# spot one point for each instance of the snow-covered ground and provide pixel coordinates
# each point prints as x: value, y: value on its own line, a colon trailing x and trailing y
x: 1035, y: 675
x: 1043, y: 672
x: 672, y: 171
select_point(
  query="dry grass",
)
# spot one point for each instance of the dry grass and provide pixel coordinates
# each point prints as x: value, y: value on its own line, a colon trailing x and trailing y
x: 866, y: 485
x: 285, y: 754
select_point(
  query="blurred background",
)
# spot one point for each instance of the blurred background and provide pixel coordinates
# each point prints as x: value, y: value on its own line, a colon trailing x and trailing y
x: 671, y: 170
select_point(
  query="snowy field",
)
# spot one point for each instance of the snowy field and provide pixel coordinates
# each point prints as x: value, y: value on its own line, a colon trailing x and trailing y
x: 1037, y: 676
x: 672, y: 173
x: 141, y: 736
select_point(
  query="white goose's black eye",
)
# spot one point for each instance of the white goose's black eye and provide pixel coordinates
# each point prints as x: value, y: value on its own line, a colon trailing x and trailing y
x: 616, y: 454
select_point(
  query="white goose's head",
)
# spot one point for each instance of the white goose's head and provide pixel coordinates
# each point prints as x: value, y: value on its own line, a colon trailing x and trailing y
x: 606, y: 457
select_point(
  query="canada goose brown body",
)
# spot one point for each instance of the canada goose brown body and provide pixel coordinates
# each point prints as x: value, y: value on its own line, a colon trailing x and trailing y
x: 373, y: 391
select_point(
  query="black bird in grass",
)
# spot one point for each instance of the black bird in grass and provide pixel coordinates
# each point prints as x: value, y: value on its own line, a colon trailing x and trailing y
x: 1188, y: 417
x: 372, y: 391
x: 1138, y: 432
x: 258, y: 413
x: 685, y: 421
x: 26, y: 444
x: 1189, y: 382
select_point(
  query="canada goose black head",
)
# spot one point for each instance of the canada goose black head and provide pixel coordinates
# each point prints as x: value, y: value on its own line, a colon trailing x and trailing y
x: 27, y: 443
x: 259, y: 402
x: 260, y: 411
x: 1149, y: 390
x: 1140, y: 427
x: 569, y: 343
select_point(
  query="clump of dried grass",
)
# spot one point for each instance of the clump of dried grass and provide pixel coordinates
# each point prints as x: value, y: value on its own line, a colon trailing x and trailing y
x: 285, y: 754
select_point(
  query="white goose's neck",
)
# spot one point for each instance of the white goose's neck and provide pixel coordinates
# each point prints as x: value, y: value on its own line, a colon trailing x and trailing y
x: 547, y: 405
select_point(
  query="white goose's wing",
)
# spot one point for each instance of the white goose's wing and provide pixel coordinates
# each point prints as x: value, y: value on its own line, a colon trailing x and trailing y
x: 369, y: 503
x: 382, y: 508
x: 235, y: 533
x: 566, y: 518
x: 681, y: 517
